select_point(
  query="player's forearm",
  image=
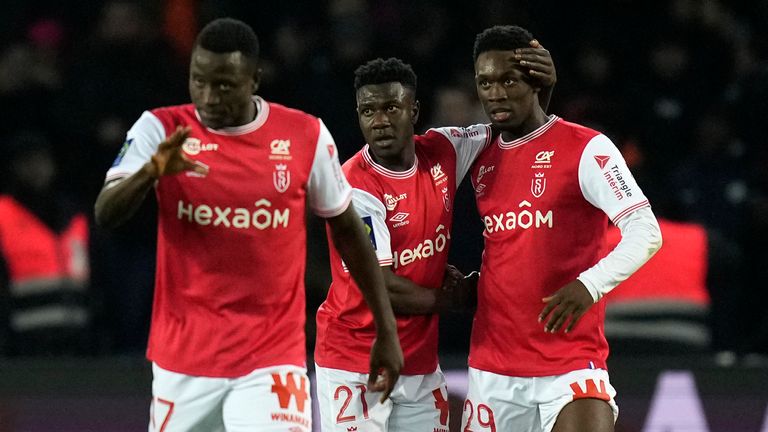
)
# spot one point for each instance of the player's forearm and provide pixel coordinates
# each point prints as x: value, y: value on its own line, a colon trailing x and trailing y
x: 640, y: 240
x: 118, y: 201
x: 354, y: 247
x: 408, y: 298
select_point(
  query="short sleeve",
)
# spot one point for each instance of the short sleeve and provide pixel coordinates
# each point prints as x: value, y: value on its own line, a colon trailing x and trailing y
x: 606, y: 181
x: 140, y: 144
x: 468, y: 142
x: 373, y: 213
x: 329, y: 191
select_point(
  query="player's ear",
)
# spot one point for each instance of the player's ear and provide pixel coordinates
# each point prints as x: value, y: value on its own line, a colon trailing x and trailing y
x: 415, y: 112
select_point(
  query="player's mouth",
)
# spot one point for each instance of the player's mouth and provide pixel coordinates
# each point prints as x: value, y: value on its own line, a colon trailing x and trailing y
x: 500, y: 115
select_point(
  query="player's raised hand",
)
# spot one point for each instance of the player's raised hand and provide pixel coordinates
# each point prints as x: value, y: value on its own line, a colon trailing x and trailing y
x: 570, y: 301
x: 386, y: 362
x: 539, y: 63
x: 170, y: 159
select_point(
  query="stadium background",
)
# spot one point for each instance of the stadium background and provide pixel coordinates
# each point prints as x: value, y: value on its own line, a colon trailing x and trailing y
x: 680, y: 86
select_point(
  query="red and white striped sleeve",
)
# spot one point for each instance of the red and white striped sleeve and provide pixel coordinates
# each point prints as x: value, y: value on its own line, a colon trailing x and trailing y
x: 328, y: 189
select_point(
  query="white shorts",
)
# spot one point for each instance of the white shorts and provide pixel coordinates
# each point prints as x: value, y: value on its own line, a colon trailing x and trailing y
x: 418, y: 403
x: 270, y: 399
x: 504, y: 403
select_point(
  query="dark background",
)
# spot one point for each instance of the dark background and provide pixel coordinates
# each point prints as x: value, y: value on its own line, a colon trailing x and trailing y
x: 680, y: 86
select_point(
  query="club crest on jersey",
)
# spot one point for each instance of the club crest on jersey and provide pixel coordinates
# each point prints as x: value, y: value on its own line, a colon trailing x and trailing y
x: 391, y: 201
x: 543, y: 159
x: 446, y: 199
x: 281, y: 177
x: 193, y: 146
x: 280, y: 149
x: 538, y: 184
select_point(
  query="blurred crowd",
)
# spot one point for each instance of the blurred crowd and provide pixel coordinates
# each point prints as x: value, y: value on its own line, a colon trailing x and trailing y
x: 680, y: 86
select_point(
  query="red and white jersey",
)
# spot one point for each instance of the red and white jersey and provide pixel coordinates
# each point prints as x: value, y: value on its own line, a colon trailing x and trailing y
x: 408, y: 216
x: 229, y: 291
x: 545, y: 200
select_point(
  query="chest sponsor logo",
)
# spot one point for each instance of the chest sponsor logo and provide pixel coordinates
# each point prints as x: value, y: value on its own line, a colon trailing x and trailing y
x: 400, y: 219
x: 524, y: 218
x: 543, y: 159
x: 390, y: 201
x: 280, y: 149
x: 368, y: 223
x: 538, y: 184
x: 424, y: 249
x: 263, y: 217
x: 617, y: 181
x: 602, y: 160
x: 281, y: 177
x: 193, y: 146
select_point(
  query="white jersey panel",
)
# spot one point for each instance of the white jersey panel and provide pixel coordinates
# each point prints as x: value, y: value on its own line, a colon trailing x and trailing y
x: 329, y: 191
x: 374, y: 215
x: 640, y: 240
x: 141, y: 143
x: 468, y: 143
x: 606, y: 181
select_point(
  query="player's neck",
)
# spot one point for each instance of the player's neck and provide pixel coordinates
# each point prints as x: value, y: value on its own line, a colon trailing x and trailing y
x: 536, y: 120
x: 400, y: 162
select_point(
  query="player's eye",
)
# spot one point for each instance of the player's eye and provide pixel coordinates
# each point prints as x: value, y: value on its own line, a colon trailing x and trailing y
x: 198, y: 82
x: 509, y: 82
x: 225, y: 86
x: 392, y: 109
x: 484, y: 84
x: 366, y: 112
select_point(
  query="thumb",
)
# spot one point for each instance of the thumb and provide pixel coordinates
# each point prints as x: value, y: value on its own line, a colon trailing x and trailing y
x: 547, y: 299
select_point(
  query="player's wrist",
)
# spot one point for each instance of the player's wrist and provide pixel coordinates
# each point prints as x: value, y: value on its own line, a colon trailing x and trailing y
x: 152, y: 167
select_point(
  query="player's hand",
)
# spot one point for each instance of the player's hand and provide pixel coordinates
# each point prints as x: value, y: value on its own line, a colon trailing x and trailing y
x: 386, y: 362
x: 539, y: 63
x: 170, y: 159
x: 570, y: 301
x: 452, y: 278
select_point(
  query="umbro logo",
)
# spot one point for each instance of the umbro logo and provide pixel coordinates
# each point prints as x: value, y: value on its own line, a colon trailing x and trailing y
x: 602, y: 160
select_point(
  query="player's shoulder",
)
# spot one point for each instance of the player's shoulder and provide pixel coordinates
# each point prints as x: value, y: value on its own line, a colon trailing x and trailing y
x: 173, y: 112
x: 361, y: 174
x: 577, y: 132
x: 452, y: 133
x: 288, y: 114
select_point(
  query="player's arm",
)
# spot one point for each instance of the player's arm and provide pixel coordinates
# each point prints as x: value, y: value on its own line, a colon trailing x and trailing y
x: 457, y: 293
x: 119, y: 199
x: 640, y: 237
x: 354, y: 246
x: 540, y: 66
